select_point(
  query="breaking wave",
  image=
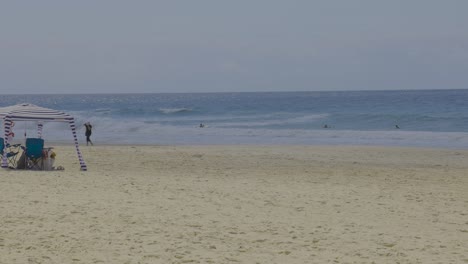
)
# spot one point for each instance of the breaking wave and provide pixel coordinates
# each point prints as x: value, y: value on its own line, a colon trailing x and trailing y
x: 174, y: 110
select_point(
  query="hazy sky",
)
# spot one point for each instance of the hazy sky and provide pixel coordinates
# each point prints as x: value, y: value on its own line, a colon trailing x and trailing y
x: 105, y: 46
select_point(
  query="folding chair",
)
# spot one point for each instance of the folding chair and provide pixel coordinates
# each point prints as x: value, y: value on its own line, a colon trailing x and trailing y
x: 2, y: 145
x: 34, y: 148
x: 12, y: 153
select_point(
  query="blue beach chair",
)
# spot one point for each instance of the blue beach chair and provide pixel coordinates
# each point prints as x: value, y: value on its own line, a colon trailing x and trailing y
x: 34, y: 148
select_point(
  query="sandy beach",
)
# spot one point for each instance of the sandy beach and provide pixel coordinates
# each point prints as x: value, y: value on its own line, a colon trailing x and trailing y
x: 239, y: 204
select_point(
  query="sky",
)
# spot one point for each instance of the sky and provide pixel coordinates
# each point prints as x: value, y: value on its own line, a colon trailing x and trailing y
x: 151, y: 46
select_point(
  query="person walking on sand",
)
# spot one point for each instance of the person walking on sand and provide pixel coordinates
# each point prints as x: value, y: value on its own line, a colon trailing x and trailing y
x: 89, y: 128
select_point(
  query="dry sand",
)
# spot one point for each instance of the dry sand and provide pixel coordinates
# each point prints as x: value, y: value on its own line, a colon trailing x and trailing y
x: 239, y: 204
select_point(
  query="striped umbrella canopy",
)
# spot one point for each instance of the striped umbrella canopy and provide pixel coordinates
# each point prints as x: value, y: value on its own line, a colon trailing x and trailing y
x: 30, y: 112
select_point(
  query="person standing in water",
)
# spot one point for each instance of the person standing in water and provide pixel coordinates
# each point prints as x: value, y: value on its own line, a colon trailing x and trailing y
x: 89, y: 128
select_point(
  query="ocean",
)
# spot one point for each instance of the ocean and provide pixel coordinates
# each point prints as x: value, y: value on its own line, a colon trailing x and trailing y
x: 418, y: 118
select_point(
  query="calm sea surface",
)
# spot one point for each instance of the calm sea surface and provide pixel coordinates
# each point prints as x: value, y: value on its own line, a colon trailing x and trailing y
x: 430, y: 118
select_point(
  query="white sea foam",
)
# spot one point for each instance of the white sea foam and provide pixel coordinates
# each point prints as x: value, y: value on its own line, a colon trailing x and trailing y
x: 108, y: 131
x: 272, y: 120
x: 174, y: 110
x: 102, y: 110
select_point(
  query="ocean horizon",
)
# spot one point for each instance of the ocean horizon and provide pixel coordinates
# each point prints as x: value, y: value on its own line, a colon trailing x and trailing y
x: 414, y: 118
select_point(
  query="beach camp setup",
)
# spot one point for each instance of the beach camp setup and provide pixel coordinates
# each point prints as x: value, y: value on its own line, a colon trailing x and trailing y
x: 30, y: 112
